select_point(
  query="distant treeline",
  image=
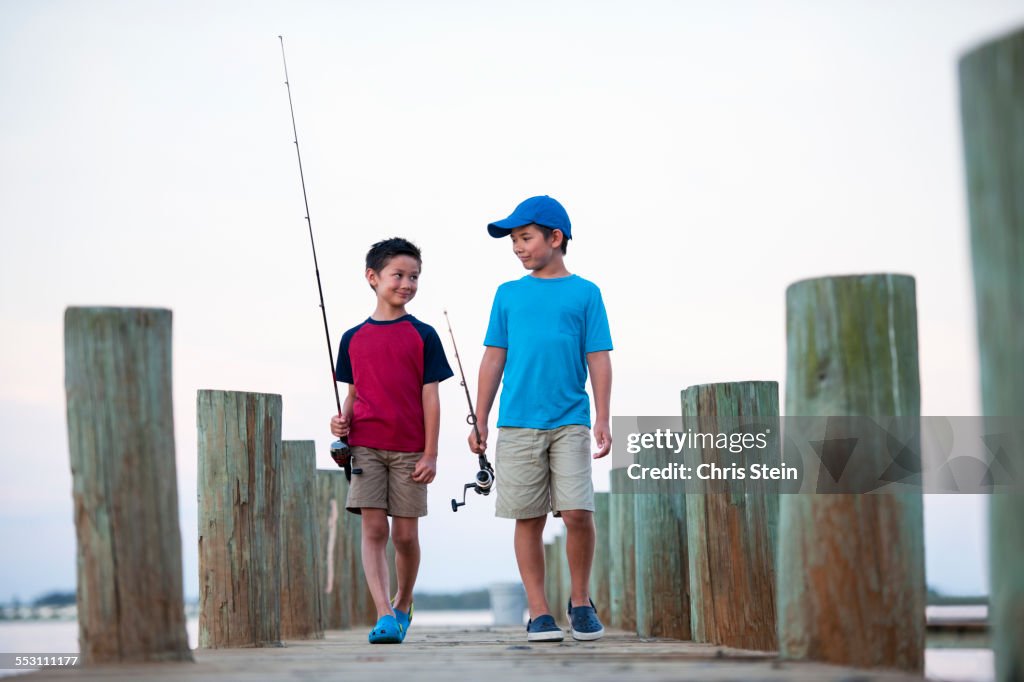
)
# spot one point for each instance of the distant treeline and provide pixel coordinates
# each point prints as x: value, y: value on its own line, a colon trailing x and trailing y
x: 55, y: 599
x: 462, y: 601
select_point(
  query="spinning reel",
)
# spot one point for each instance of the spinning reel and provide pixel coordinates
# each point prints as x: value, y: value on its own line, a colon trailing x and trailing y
x: 342, y: 455
x: 481, y: 485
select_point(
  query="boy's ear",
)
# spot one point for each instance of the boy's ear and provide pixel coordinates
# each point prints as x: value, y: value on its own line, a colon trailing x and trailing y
x: 557, y: 237
x: 371, y: 278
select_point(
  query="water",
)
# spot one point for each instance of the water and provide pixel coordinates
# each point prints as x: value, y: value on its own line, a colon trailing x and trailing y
x: 61, y: 637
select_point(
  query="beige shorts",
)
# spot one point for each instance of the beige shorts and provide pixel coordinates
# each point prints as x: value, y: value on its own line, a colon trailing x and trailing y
x: 542, y: 470
x: 386, y: 483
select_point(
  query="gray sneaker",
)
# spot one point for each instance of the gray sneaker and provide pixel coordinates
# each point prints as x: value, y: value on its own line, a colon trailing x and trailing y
x: 544, y: 629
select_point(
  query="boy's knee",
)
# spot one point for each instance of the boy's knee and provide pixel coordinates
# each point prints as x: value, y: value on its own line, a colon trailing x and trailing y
x: 405, y: 535
x: 375, y: 530
x: 578, y: 519
x: 534, y: 525
x: 405, y: 541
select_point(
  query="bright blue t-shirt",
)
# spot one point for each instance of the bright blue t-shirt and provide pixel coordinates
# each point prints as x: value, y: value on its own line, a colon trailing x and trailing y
x: 548, y: 327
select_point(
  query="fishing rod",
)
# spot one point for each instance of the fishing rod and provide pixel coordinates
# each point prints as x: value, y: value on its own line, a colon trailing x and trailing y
x: 340, y: 451
x: 485, y: 477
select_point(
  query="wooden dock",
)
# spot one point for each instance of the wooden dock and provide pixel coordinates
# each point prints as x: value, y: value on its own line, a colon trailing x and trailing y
x: 829, y: 579
x: 456, y: 654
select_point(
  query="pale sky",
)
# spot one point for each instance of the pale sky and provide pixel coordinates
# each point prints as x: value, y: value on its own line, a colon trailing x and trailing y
x: 709, y: 154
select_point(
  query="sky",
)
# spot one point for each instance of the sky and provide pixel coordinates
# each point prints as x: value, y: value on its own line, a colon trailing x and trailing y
x: 709, y: 155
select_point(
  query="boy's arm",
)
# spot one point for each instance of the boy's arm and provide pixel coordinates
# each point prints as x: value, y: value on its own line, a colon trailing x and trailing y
x: 426, y: 467
x: 600, y: 365
x: 491, y: 368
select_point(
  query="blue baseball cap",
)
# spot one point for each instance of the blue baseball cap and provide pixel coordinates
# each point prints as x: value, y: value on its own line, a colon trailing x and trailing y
x: 543, y: 211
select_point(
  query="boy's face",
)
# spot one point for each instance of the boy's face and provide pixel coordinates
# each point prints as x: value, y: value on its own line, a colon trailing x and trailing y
x: 532, y: 249
x: 397, y: 281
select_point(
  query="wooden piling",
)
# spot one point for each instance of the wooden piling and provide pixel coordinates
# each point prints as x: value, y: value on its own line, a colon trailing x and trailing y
x: 622, y: 541
x: 992, y: 111
x: 662, y: 573
x: 117, y: 374
x: 851, y: 586
x: 731, y: 530
x: 601, y: 570
x: 558, y: 608
x: 336, y: 549
x: 552, y: 575
x: 239, y: 519
x: 556, y: 576
x: 301, y: 595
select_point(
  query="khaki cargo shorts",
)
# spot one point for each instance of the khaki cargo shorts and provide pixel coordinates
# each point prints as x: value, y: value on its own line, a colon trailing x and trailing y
x: 542, y: 470
x: 386, y: 483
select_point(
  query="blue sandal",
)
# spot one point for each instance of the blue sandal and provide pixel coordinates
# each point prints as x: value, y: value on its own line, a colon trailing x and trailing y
x: 404, y: 619
x: 387, y: 631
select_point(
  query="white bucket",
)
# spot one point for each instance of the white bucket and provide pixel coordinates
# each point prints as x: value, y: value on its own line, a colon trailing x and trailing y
x: 508, y: 603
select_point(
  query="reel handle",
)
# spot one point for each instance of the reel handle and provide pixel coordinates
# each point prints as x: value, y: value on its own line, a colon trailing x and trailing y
x: 481, y: 484
x: 455, y: 503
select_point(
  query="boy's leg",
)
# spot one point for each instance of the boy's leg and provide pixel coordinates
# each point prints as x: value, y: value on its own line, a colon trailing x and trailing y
x: 375, y: 559
x: 529, y: 545
x: 572, y: 497
x: 523, y: 494
x: 405, y: 536
x: 407, y: 501
x: 580, y: 538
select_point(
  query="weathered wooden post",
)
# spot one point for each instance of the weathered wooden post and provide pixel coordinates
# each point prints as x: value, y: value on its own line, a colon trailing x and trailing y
x: 991, y: 105
x: 731, y: 529
x: 622, y: 540
x: 601, y: 571
x: 851, y: 586
x: 301, y: 587
x: 335, y: 550
x: 662, y: 590
x: 552, y: 575
x: 239, y: 519
x: 564, y: 578
x: 117, y: 375
x: 556, y: 576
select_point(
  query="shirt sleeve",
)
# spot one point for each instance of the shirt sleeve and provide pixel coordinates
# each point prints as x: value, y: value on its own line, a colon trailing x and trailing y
x: 599, y: 336
x: 497, y: 327
x: 343, y: 367
x: 435, y: 363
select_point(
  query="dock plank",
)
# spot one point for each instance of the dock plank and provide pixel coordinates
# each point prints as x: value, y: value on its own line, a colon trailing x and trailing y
x: 438, y: 653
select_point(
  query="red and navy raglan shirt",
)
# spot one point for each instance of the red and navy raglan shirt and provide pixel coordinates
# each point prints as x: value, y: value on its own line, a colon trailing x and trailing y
x: 389, y: 363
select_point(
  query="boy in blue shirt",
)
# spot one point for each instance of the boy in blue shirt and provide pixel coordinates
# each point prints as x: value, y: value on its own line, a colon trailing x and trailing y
x: 546, y: 329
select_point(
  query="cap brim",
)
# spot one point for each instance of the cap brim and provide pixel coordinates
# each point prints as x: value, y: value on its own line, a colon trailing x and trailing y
x: 502, y: 228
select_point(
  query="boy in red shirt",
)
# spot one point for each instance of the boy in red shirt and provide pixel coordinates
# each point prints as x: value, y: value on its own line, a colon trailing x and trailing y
x: 392, y: 363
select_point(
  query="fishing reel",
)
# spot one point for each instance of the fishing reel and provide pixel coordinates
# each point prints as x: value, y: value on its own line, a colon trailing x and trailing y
x: 481, y: 485
x: 342, y: 455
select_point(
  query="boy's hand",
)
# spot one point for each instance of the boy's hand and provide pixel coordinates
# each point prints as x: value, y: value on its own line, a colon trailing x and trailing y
x: 479, y: 447
x: 603, y: 438
x: 339, y: 426
x: 425, y: 469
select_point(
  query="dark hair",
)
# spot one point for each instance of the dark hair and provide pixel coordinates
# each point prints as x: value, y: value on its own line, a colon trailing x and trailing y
x: 383, y: 251
x: 546, y: 231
